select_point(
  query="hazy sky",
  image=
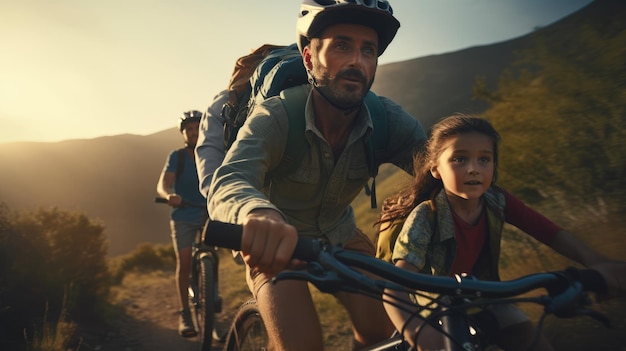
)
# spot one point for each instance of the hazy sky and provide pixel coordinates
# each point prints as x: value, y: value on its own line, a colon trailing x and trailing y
x: 86, y: 68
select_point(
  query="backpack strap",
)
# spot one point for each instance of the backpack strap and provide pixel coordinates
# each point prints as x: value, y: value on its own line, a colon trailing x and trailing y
x: 180, y: 166
x: 294, y: 100
x: 376, y: 144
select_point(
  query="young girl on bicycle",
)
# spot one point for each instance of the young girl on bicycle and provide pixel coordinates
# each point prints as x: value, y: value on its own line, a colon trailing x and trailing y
x: 453, y: 218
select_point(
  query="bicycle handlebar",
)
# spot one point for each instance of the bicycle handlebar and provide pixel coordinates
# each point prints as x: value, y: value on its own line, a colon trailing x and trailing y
x: 228, y: 235
x: 566, y: 288
x: 162, y: 200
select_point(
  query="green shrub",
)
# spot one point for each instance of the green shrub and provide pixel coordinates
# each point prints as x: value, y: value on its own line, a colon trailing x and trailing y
x: 144, y: 257
x: 51, y: 262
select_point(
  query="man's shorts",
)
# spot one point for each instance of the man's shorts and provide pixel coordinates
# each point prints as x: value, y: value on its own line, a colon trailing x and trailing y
x: 359, y: 243
x: 184, y: 233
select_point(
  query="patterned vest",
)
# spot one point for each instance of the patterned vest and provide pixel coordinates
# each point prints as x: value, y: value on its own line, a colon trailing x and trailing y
x: 439, y: 226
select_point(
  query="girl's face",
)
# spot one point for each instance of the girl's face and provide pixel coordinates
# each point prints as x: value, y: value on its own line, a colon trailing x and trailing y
x: 466, y: 165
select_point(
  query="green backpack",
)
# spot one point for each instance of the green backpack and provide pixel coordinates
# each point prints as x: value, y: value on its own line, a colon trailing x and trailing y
x: 387, y: 236
x: 271, y: 70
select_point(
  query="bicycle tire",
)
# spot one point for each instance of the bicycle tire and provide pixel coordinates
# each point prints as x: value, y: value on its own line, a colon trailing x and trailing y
x: 205, y: 308
x: 247, y: 332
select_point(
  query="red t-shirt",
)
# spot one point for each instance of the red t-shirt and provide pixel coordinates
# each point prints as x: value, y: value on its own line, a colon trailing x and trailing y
x: 471, y: 238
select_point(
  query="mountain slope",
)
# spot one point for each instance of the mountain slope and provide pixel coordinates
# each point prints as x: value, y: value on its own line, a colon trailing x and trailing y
x: 114, y: 178
x: 110, y: 178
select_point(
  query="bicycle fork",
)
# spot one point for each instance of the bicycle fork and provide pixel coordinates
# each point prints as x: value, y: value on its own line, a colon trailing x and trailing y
x: 458, y: 332
x: 192, y: 290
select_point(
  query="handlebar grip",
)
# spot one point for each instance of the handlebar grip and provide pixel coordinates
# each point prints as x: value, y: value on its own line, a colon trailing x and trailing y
x: 221, y: 234
x: 590, y: 279
x: 160, y: 200
x: 228, y: 235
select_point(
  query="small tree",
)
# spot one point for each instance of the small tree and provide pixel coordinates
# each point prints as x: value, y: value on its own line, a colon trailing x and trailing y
x: 44, y: 255
x: 77, y: 252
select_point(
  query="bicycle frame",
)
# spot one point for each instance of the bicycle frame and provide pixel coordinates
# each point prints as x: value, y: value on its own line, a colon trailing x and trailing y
x: 332, y: 269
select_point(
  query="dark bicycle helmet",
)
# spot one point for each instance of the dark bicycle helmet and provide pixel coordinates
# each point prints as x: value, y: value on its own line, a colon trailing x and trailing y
x: 187, y: 117
x: 315, y: 15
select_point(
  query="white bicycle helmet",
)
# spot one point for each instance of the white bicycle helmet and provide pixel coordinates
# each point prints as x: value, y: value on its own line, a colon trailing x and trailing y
x: 315, y: 15
x: 187, y: 117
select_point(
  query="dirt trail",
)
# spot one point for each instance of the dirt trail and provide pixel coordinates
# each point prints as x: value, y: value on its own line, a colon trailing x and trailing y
x: 151, y: 322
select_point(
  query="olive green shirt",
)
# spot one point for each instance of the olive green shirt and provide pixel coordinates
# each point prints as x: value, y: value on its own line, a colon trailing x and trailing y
x: 316, y: 197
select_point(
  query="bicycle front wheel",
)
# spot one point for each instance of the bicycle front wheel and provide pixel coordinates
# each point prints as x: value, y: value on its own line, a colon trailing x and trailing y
x: 205, y: 308
x: 247, y: 332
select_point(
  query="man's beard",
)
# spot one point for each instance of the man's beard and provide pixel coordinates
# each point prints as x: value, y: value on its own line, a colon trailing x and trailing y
x: 331, y: 88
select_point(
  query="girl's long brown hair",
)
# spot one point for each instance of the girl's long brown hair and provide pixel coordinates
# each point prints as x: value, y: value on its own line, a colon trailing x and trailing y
x: 424, y: 186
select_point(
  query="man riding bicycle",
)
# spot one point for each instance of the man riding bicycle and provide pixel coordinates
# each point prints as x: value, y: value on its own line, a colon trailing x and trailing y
x: 340, y: 42
x: 177, y: 184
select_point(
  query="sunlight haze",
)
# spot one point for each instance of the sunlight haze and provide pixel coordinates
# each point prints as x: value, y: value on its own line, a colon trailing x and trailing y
x: 73, y: 69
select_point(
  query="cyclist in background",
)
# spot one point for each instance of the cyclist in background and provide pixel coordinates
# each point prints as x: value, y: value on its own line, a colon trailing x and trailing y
x: 340, y: 42
x: 178, y: 182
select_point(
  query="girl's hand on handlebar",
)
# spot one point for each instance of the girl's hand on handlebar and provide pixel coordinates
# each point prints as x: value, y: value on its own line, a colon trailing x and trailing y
x: 268, y: 242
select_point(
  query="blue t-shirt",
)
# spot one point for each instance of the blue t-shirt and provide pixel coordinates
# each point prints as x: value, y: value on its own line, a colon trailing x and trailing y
x: 187, y: 187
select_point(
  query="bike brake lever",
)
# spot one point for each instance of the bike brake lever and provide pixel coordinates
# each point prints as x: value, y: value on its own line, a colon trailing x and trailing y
x: 569, y: 304
x: 566, y: 303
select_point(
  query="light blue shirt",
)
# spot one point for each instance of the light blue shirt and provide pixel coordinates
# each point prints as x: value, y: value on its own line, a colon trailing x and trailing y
x: 187, y: 187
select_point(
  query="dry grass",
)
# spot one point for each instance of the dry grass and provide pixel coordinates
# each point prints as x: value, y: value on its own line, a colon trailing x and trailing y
x: 519, y: 257
x: 55, y: 335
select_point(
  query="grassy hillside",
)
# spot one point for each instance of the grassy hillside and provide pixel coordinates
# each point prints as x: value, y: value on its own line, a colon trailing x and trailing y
x: 390, y: 180
x: 114, y: 178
